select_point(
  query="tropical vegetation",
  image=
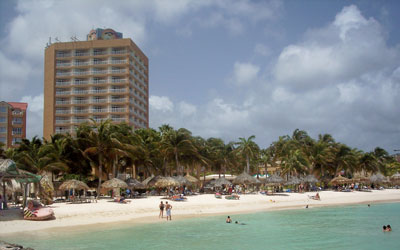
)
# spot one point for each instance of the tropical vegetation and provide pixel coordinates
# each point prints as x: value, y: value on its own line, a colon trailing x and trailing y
x: 110, y: 149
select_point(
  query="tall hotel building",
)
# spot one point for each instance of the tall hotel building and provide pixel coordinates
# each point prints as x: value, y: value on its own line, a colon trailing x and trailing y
x: 12, y: 123
x: 105, y: 77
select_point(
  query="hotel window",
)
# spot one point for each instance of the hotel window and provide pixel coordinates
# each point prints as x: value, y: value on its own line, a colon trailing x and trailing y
x: 2, y: 129
x: 2, y: 119
x: 16, y: 141
x: 17, y: 131
x: 3, y: 139
x: 17, y: 121
x: 3, y: 109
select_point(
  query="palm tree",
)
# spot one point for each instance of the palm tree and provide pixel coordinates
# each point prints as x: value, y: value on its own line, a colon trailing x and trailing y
x: 248, y: 149
x: 101, y: 145
x: 177, y: 143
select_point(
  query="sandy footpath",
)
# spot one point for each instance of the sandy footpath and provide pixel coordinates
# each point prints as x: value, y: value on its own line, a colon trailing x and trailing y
x: 146, y: 210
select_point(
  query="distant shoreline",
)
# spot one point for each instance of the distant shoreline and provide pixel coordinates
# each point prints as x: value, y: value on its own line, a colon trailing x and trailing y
x: 105, y: 214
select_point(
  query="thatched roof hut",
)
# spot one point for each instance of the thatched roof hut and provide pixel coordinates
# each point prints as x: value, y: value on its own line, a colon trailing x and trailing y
x: 245, y: 178
x: 73, y: 184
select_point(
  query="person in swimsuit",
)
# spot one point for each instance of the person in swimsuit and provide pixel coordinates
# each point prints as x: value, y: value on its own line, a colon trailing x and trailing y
x: 228, y: 220
x: 161, y: 210
x: 168, y: 208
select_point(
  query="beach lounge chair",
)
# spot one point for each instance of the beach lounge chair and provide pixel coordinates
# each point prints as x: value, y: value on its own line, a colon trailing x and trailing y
x: 232, y: 197
x: 218, y: 196
x: 35, y: 211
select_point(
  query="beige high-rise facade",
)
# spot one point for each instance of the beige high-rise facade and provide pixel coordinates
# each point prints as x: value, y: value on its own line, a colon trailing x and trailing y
x: 105, y: 77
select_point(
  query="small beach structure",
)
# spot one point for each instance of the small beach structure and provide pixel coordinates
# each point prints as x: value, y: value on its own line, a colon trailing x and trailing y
x: 274, y: 180
x: 114, y: 183
x: 221, y: 181
x: 310, y: 179
x: 293, y: 180
x: 73, y: 184
x: 340, y: 180
x: 135, y: 184
x: 182, y: 181
x: 361, y: 178
x: 245, y: 178
x: 192, y: 179
x: 395, y: 178
x: 378, y: 178
x: 164, y: 182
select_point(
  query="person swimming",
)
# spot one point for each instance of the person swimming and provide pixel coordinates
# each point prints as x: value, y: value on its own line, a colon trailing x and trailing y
x: 388, y: 228
x: 228, y: 220
x: 237, y: 222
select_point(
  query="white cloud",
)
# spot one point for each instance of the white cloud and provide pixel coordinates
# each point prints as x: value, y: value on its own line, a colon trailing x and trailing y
x: 187, y: 109
x: 342, y: 79
x: 161, y: 103
x: 244, y: 73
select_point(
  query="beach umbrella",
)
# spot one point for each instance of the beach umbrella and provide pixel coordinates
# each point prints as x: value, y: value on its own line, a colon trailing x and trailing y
x: 13, y: 186
x: 340, y: 180
x: 360, y: 178
x: 395, y: 178
x: 135, y: 184
x: 221, y: 181
x: 182, y: 180
x: 293, y: 180
x: 73, y: 184
x: 192, y: 179
x: 310, y: 179
x: 273, y: 180
x: 114, y: 183
x: 245, y: 178
x: 378, y: 178
x: 147, y: 180
x: 164, y: 182
x: 152, y: 180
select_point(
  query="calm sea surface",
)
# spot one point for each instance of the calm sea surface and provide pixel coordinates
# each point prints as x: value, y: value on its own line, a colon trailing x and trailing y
x: 348, y: 227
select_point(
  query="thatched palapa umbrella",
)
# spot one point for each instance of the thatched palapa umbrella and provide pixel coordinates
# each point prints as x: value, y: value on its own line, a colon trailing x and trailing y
x: 221, y: 181
x: 274, y: 180
x: 182, y: 181
x: 245, y: 178
x: 150, y: 181
x: 310, y: 179
x: 164, y: 182
x: 135, y: 184
x: 73, y: 184
x: 192, y: 179
x: 395, y: 178
x: 378, y: 178
x: 360, y: 178
x: 293, y: 181
x: 340, y: 180
x: 114, y: 183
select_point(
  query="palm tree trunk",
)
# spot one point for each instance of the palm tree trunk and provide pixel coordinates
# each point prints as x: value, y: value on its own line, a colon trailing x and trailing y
x: 247, y: 164
x: 100, y: 175
x: 178, y: 168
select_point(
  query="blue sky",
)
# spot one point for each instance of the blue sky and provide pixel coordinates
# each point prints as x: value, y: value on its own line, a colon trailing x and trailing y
x: 232, y: 69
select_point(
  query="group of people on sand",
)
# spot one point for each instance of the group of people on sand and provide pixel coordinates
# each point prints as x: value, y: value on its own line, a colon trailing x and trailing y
x: 387, y: 228
x: 167, y: 208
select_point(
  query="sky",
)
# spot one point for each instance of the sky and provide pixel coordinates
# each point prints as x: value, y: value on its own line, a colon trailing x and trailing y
x: 232, y: 68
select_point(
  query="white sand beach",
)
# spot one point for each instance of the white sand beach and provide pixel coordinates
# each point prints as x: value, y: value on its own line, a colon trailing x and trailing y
x: 145, y: 210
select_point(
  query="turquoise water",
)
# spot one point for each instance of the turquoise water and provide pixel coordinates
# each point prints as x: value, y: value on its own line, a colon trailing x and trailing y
x: 349, y: 227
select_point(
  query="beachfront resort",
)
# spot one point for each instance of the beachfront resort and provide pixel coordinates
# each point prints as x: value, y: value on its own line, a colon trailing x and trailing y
x: 102, y: 178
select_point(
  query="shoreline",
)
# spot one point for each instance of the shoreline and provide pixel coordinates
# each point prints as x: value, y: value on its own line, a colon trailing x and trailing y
x: 105, y: 214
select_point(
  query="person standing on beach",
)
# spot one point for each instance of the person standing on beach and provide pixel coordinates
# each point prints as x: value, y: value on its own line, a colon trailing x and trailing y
x: 161, y: 210
x: 168, y: 208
